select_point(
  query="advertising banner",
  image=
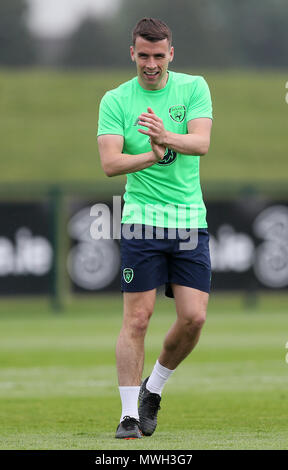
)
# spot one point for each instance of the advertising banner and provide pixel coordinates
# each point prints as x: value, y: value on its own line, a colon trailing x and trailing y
x: 92, y: 265
x: 26, y: 252
x: 248, y: 245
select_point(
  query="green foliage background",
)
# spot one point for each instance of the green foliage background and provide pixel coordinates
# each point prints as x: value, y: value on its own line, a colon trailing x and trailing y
x: 48, y: 125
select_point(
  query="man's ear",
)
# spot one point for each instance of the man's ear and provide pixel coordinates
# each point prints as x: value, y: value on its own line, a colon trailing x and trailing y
x: 171, y: 54
x: 132, y: 53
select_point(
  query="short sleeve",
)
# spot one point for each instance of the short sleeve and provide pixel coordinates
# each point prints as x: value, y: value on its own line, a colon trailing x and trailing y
x: 110, y: 119
x: 200, y: 104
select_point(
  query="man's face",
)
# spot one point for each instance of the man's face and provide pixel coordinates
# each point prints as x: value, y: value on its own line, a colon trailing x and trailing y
x: 152, y: 60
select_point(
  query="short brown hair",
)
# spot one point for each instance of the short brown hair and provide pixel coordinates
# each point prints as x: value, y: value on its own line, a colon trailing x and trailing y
x: 152, y: 30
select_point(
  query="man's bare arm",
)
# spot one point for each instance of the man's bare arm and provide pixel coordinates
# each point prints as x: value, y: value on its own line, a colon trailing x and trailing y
x: 114, y: 162
x: 196, y: 142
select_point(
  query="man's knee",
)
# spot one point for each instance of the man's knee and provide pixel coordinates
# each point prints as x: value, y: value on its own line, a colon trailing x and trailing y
x: 199, y: 319
x: 191, y: 307
x: 139, y: 320
x: 193, y: 319
x: 138, y: 308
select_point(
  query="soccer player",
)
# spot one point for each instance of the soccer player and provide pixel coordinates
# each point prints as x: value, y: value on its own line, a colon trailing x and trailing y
x: 154, y: 128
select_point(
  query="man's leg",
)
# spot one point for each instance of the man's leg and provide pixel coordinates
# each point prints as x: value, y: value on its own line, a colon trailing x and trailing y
x: 191, y: 305
x: 138, y: 308
x: 181, y: 339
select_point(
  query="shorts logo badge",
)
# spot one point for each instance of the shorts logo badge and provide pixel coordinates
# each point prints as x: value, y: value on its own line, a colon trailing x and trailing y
x: 178, y: 112
x: 128, y: 275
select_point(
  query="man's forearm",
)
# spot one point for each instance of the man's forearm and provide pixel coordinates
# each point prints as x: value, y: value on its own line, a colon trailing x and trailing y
x: 123, y: 163
x: 187, y: 144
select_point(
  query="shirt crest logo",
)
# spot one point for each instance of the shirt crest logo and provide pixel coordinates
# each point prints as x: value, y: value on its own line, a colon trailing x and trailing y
x: 177, y: 112
x: 169, y: 157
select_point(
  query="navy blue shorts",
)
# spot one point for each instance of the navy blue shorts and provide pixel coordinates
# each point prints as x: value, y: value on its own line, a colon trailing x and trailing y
x: 149, y: 263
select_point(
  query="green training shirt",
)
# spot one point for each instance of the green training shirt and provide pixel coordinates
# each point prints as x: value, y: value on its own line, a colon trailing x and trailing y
x: 168, y: 193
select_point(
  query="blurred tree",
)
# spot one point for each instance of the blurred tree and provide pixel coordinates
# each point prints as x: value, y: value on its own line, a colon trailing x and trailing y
x: 222, y: 33
x: 205, y: 33
x: 16, y: 44
x: 93, y: 44
x: 261, y: 30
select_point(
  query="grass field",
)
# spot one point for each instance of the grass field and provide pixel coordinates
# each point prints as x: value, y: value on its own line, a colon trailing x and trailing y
x: 58, y: 387
x: 48, y: 124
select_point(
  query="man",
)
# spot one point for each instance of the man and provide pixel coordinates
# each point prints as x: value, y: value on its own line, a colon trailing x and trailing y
x: 154, y: 128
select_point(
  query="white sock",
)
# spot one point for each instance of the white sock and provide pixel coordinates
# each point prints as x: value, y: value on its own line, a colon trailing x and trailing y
x: 129, y: 399
x: 158, y: 378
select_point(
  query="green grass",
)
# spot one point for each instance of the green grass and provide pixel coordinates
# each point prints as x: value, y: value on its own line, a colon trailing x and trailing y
x: 58, y: 386
x: 48, y: 125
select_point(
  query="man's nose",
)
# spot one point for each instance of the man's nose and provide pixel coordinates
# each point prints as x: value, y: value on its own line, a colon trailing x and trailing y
x: 151, y: 64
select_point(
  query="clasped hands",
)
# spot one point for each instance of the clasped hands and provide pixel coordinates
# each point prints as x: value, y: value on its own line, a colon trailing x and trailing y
x: 155, y: 130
